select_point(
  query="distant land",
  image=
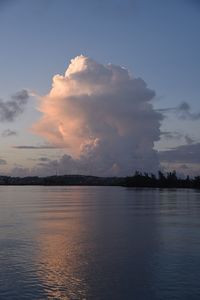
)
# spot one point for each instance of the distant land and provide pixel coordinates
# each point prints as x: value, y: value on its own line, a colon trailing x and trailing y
x: 169, y: 180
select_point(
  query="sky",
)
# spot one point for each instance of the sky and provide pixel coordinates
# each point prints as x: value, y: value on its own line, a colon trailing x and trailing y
x: 99, y: 87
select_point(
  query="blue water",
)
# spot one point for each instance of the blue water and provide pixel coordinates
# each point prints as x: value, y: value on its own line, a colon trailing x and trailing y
x: 99, y: 243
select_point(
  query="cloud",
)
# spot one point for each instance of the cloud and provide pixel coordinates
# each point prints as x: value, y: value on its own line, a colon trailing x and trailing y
x: 3, y: 162
x: 182, y: 111
x: 189, y: 140
x: 174, y: 135
x: 171, y: 135
x: 182, y: 154
x: 8, y: 133
x: 11, y: 109
x: 37, y: 147
x: 20, y: 172
x: 43, y: 159
x: 104, y: 118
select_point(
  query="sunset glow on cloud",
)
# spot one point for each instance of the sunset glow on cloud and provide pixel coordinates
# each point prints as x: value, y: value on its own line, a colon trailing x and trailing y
x: 104, y: 118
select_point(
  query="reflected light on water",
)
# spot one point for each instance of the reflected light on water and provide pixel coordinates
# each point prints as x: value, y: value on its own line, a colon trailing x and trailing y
x: 99, y: 243
x: 60, y: 256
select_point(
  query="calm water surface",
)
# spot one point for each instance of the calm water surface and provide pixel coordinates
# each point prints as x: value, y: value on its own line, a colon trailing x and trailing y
x: 99, y: 243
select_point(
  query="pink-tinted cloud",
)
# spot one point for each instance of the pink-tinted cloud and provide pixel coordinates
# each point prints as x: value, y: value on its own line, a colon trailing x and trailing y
x: 104, y: 118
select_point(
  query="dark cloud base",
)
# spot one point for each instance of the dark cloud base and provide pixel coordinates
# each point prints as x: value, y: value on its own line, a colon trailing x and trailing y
x: 183, y: 154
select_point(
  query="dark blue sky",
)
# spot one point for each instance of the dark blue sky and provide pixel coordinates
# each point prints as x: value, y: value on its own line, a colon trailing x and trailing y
x: 158, y: 40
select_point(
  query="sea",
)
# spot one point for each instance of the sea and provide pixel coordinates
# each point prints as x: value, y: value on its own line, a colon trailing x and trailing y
x: 99, y: 243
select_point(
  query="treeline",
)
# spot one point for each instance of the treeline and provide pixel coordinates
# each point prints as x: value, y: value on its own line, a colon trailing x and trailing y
x: 63, y: 180
x: 169, y: 180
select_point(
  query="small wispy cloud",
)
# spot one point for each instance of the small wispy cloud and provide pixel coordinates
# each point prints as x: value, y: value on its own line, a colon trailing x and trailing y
x: 37, y: 147
x: 169, y: 135
x: 44, y: 159
x: 174, y: 135
x: 189, y: 140
x: 3, y: 161
x: 8, y: 133
x: 11, y: 109
x: 183, y: 111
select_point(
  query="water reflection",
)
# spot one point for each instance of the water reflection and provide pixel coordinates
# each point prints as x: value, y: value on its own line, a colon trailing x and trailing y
x: 99, y: 243
x: 87, y: 242
x: 60, y: 252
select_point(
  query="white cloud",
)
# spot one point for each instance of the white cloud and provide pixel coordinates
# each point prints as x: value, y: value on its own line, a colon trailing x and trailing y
x: 103, y: 116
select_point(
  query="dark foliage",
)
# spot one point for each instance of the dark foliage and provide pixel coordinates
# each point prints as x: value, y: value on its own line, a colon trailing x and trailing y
x: 170, y: 180
x: 63, y: 180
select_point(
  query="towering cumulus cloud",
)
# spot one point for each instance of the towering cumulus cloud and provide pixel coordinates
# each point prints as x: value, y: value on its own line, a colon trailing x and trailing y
x: 104, y: 118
